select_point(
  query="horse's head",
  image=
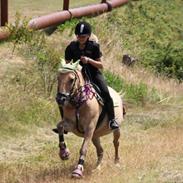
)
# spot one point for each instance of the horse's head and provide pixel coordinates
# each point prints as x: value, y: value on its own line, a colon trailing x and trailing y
x: 69, y: 80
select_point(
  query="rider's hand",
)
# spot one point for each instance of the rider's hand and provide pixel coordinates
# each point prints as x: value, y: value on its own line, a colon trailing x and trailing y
x: 84, y: 59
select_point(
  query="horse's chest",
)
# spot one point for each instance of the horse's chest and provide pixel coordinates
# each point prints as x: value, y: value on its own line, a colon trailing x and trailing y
x: 69, y: 112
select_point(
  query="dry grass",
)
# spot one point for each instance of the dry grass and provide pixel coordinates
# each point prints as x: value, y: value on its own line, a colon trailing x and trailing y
x: 150, y: 154
x: 136, y: 74
x: 154, y: 155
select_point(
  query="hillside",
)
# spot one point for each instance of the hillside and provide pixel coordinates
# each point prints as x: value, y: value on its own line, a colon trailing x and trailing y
x: 151, y: 147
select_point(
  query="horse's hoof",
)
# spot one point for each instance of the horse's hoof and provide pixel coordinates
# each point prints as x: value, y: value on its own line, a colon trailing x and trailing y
x: 97, y: 169
x: 118, y: 165
x: 117, y: 161
x: 64, y: 154
x: 78, y: 172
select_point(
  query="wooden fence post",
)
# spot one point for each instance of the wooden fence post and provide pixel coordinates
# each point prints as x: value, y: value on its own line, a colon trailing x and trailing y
x: 4, y: 12
x: 66, y: 5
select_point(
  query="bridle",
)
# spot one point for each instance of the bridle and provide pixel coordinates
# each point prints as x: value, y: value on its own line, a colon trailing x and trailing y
x: 77, y: 96
x: 61, y: 97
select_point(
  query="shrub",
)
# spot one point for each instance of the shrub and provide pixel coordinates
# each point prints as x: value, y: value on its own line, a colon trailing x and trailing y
x: 33, y: 44
x: 136, y: 93
x: 152, y: 31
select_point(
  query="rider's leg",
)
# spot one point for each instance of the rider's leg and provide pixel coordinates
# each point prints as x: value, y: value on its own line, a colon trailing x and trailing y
x: 101, y: 83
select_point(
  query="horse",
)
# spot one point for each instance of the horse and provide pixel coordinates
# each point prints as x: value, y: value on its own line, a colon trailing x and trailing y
x: 80, y: 112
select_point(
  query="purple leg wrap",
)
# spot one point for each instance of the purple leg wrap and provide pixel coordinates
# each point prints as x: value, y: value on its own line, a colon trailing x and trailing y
x: 64, y: 153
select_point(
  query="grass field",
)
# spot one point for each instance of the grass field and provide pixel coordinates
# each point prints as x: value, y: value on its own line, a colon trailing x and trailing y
x: 151, y: 147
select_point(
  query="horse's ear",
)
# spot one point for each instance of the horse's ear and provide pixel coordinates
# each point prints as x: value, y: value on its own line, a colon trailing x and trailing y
x: 62, y: 62
x: 76, y: 65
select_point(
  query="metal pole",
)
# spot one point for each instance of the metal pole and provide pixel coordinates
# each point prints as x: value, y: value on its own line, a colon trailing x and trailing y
x: 66, y: 5
x: 4, y: 12
x: 59, y: 17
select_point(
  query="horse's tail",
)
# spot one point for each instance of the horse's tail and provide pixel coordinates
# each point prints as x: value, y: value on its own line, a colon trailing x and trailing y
x: 124, y: 109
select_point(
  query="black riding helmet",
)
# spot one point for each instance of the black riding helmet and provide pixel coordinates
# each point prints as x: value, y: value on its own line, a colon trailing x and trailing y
x: 83, y: 28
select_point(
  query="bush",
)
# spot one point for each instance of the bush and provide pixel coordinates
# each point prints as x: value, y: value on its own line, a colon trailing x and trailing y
x: 151, y: 30
x: 136, y: 93
x: 33, y: 44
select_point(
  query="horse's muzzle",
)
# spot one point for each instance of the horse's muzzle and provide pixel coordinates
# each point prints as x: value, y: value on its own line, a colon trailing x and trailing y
x: 61, y: 98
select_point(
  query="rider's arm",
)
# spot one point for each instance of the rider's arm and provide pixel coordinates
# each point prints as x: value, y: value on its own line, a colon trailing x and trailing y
x: 96, y: 63
x: 96, y: 59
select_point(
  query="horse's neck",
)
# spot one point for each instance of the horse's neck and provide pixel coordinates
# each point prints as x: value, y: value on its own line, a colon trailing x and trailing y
x: 82, y: 79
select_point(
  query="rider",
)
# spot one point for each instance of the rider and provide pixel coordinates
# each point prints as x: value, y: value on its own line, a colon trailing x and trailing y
x: 90, y: 59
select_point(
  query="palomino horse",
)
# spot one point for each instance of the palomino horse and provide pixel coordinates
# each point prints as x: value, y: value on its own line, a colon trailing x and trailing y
x: 80, y: 112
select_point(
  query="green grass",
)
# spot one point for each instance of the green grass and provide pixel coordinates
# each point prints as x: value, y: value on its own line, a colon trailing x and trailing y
x: 154, y: 37
x: 151, y: 140
x: 138, y: 94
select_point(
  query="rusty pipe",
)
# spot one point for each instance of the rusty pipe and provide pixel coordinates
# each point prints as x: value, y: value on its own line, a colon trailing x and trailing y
x: 59, y: 17
x: 48, y: 20
x: 117, y: 3
x: 89, y: 10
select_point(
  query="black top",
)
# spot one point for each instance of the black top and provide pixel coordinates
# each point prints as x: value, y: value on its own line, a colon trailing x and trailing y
x: 91, y: 50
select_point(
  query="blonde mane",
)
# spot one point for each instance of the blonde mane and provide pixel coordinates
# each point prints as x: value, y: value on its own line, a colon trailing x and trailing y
x: 68, y: 67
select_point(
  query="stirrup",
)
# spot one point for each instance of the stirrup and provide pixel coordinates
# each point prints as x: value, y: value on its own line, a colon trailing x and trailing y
x: 113, y: 125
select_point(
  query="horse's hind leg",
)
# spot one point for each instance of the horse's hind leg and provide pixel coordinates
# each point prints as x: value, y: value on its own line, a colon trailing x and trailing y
x: 99, y: 149
x: 64, y: 151
x: 116, y: 134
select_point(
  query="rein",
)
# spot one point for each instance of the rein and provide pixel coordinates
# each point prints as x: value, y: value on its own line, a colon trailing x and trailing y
x: 78, y: 96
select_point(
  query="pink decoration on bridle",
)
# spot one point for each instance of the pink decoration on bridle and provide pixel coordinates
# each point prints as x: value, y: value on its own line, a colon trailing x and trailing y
x: 83, y: 94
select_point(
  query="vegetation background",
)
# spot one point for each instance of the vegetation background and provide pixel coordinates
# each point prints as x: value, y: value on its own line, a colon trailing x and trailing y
x: 151, y: 145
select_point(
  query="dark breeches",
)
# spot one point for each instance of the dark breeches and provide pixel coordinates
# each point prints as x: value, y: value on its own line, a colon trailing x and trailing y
x: 99, y: 80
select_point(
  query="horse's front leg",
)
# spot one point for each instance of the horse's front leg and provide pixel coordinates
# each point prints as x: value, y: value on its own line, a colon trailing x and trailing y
x: 78, y: 171
x: 63, y: 150
x: 99, y: 149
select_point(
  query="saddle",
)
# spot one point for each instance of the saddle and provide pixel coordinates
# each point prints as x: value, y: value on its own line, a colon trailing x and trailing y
x: 101, y: 102
x: 98, y: 94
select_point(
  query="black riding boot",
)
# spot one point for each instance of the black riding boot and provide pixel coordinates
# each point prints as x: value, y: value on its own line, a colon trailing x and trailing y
x: 110, y: 109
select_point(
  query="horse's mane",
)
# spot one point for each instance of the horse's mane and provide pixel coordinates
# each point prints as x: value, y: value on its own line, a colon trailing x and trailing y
x: 69, y: 67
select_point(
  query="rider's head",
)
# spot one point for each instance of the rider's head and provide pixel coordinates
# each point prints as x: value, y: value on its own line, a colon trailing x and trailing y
x: 83, y: 28
x: 83, y: 31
